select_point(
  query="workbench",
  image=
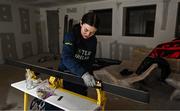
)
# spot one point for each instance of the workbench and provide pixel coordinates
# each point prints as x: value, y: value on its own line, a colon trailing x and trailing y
x: 69, y: 101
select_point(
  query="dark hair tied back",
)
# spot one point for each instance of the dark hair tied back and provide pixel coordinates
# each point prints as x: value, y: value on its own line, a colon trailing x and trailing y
x: 91, y: 19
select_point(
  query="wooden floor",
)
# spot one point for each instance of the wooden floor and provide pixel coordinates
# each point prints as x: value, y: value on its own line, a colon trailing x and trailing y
x: 159, y: 99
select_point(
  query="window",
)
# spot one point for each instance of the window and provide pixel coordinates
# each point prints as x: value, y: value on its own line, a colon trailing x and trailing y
x: 139, y: 21
x: 105, y: 25
x: 177, y: 33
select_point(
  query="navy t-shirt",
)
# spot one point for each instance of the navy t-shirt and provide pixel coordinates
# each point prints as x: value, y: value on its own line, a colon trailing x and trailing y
x: 78, y: 54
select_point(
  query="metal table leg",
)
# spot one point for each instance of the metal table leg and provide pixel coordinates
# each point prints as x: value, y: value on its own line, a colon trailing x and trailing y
x: 25, y: 101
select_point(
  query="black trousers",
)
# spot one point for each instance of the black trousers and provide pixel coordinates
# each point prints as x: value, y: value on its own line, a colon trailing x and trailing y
x: 162, y: 64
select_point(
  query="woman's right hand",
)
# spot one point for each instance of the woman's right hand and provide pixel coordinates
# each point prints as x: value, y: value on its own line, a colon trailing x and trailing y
x: 88, y: 79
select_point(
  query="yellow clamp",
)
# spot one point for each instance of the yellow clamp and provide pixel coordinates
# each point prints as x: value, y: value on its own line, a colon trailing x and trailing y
x: 56, y: 82
x: 101, y: 96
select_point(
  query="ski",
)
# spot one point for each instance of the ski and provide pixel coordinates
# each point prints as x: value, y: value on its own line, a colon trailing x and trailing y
x: 129, y: 93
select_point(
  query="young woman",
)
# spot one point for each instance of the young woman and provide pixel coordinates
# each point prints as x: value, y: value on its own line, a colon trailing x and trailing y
x: 78, y: 54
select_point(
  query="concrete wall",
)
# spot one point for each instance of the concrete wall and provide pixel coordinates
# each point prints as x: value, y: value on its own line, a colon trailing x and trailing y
x: 14, y: 27
x: 164, y: 29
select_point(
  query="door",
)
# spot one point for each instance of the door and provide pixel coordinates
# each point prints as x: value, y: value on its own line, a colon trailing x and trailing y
x: 53, y: 31
x: 39, y: 37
